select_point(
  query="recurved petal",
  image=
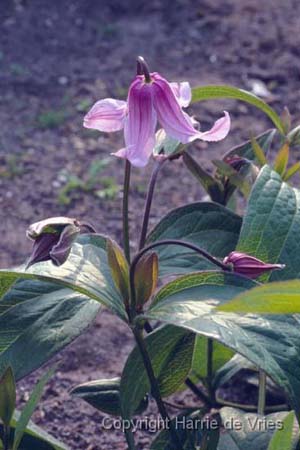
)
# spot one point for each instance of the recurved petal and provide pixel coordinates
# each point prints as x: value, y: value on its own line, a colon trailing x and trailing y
x: 219, y: 130
x: 175, y: 122
x: 106, y: 115
x: 140, y: 123
x: 182, y: 92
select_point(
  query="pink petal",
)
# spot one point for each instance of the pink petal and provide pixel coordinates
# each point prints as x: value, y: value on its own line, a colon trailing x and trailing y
x: 140, y: 123
x: 106, y: 115
x: 219, y: 130
x: 175, y: 122
x: 182, y: 92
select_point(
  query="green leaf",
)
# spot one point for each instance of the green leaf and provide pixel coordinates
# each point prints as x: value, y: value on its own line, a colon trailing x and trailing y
x: 215, y: 92
x: 259, y: 153
x: 189, y: 431
x: 271, y: 225
x: 39, y: 320
x: 198, y: 223
x: 270, y: 342
x: 283, y: 438
x: 166, y: 145
x: 35, y: 438
x: 119, y: 268
x: 291, y: 171
x: 221, y: 355
x: 231, y: 368
x: 89, y: 258
x: 246, y: 150
x: 248, y: 431
x: 104, y: 395
x: 145, y: 278
x: 238, y: 180
x: 271, y: 298
x: 171, y: 366
x: 212, y: 186
x: 282, y: 159
x: 7, y: 396
x: 29, y: 408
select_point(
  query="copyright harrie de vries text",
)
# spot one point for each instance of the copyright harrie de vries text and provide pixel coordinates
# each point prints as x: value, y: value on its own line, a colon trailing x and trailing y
x: 155, y: 424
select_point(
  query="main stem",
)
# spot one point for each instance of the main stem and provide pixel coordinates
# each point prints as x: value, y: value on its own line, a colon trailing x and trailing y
x: 148, y: 203
x: 126, y: 242
x: 155, y: 387
x: 262, y: 392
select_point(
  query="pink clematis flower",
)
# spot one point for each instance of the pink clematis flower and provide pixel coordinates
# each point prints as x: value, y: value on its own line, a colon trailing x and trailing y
x: 151, y: 99
x: 249, y: 266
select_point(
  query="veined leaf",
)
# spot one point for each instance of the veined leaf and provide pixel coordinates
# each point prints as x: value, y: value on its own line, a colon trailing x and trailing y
x: 271, y: 225
x: 283, y: 438
x: 170, y: 350
x: 271, y: 298
x: 246, y: 150
x: 90, y: 259
x: 272, y: 343
x: 214, y: 92
x: 198, y: 223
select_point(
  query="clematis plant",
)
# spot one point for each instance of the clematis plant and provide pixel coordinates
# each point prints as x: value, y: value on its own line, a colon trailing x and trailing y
x: 180, y: 293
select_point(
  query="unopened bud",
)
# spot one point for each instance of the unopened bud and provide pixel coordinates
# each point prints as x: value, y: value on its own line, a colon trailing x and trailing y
x: 249, y: 266
x: 53, y: 239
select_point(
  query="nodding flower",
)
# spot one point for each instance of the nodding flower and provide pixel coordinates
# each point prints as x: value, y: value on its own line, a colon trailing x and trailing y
x: 151, y: 99
x: 249, y: 266
x: 53, y: 239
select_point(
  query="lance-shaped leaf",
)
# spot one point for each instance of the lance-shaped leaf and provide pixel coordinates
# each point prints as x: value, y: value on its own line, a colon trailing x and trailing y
x: 198, y: 223
x: 247, y: 151
x: 104, y: 395
x: 291, y: 171
x: 212, y: 186
x: 145, y: 278
x: 271, y: 298
x: 287, y: 437
x: 282, y: 159
x: 271, y: 225
x: 270, y: 342
x: 7, y: 396
x: 119, y: 268
x: 214, y: 92
x: 34, y: 437
x: 29, y: 408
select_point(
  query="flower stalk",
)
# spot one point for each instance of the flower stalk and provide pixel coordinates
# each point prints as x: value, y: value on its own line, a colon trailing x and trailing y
x: 158, y: 165
x: 193, y: 247
x: 126, y: 241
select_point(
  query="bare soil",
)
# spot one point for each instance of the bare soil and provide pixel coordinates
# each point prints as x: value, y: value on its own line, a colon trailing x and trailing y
x: 56, y: 59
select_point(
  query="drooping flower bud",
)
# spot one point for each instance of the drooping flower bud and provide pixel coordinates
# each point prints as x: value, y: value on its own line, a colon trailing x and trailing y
x: 53, y: 238
x: 249, y: 266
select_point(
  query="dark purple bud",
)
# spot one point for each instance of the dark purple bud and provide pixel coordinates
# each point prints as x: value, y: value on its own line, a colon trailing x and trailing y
x: 236, y: 162
x: 249, y: 266
x: 53, y: 239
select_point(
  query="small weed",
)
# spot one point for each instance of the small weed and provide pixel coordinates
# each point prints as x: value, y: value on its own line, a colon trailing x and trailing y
x: 51, y: 119
x: 12, y: 167
x: 74, y: 185
x: 84, y: 105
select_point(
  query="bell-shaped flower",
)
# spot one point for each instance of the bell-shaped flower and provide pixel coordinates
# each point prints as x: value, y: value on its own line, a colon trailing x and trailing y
x: 151, y: 99
x: 249, y: 266
x: 53, y: 238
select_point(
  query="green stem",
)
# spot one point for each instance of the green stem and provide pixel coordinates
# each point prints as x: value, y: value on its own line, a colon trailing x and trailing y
x: 209, y: 370
x: 130, y: 440
x: 6, y: 436
x: 262, y: 392
x: 155, y: 387
x: 126, y: 242
x: 148, y: 203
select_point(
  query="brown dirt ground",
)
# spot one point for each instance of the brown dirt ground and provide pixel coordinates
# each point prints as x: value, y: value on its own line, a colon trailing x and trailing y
x: 56, y: 59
